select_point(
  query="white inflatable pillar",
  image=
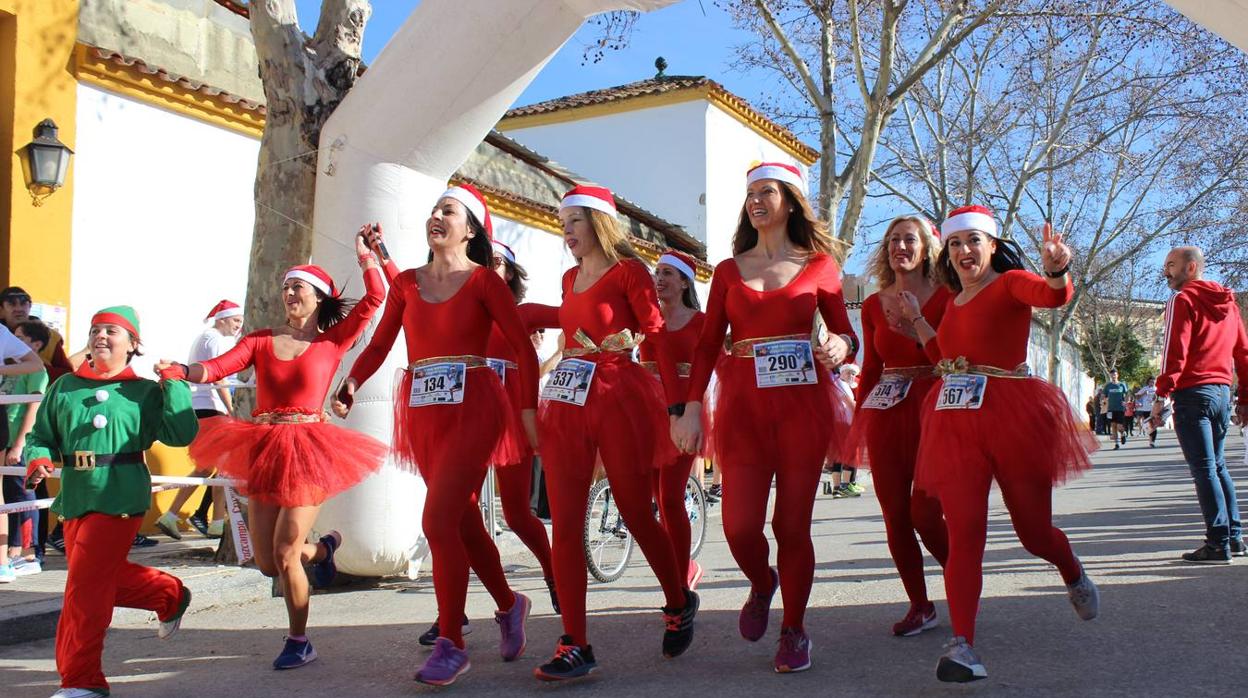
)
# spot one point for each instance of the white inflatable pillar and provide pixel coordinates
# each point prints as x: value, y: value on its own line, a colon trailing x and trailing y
x: 441, y: 83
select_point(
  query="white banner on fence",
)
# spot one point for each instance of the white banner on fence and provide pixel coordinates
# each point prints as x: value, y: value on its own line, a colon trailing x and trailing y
x: 238, y: 527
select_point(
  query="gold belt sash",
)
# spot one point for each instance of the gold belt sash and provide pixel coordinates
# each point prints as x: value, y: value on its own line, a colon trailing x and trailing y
x: 468, y: 360
x: 622, y: 341
x: 683, y: 370
x: 744, y: 349
x: 960, y: 365
x: 287, y: 417
x: 911, y: 372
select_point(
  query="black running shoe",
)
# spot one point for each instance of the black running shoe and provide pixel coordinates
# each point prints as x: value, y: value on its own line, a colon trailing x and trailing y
x: 554, y: 595
x: 199, y: 524
x: 1238, y: 548
x: 430, y: 636
x: 1208, y: 555
x: 142, y: 541
x: 678, y: 634
x: 57, y: 540
x: 570, y: 662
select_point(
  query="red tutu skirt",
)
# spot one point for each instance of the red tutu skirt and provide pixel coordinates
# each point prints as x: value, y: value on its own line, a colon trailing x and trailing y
x: 473, y: 432
x: 287, y: 465
x: 1024, y: 429
x: 625, y: 408
x: 882, y: 438
x: 781, y: 427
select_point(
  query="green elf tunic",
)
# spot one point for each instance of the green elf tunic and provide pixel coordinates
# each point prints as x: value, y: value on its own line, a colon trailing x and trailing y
x: 98, y: 428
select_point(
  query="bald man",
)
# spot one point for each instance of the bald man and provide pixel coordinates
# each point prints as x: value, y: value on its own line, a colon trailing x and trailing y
x: 1204, y: 341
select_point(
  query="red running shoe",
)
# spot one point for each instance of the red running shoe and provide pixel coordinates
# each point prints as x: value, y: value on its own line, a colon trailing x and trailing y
x: 753, y: 619
x: 919, y: 618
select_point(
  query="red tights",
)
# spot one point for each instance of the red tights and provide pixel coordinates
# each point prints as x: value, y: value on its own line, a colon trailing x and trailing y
x: 747, y: 488
x: 569, y: 463
x: 515, y: 484
x: 966, y: 516
x: 457, y: 537
x: 668, y: 488
x: 907, y: 510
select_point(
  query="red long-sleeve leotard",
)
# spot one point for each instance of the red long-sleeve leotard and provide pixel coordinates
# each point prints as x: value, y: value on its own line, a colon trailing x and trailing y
x: 883, y: 347
x: 992, y: 328
x: 460, y: 325
x: 789, y: 310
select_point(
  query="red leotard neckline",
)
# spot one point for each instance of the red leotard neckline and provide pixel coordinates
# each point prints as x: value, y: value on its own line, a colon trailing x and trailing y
x: 796, y: 277
x: 577, y: 272
x: 421, y: 297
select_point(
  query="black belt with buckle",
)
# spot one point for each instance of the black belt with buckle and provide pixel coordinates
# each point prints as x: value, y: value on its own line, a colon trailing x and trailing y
x: 89, y: 460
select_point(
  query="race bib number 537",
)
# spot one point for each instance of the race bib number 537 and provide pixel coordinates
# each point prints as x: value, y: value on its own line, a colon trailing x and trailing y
x: 962, y: 391
x: 570, y: 382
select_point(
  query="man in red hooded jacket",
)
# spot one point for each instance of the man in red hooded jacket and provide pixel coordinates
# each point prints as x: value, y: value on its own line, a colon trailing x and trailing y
x: 1204, y: 341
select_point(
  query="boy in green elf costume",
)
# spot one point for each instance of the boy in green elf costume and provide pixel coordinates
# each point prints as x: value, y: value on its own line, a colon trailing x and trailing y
x: 98, y: 421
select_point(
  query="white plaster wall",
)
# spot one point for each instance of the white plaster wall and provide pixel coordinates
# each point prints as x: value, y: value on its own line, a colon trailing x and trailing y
x: 1071, y: 377
x: 652, y: 157
x: 162, y: 221
x: 731, y: 147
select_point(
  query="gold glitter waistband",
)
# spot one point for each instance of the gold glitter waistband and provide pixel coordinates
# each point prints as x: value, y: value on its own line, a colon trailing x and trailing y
x: 744, y: 349
x: 960, y: 365
x: 683, y: 369
x: 284, y: 417
x: 468, y: 360
x: 911, y: 372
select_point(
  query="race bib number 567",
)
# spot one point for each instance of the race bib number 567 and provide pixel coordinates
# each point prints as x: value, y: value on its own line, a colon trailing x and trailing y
x: 962, y: 391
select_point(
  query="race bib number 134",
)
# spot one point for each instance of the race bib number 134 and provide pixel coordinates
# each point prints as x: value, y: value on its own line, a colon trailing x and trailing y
x: 437, y: 384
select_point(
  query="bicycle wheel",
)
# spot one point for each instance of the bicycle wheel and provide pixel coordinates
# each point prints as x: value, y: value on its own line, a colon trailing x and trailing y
x: 608, y: 543
x: 695, y: 507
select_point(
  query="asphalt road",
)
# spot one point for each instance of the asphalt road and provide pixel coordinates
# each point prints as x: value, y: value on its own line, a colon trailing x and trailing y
x: 1166, y: 628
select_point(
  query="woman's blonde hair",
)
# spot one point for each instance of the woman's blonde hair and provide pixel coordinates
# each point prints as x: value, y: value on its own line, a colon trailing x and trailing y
x: 806, y: 231
x: 878, y: 266
x: 613, y: 241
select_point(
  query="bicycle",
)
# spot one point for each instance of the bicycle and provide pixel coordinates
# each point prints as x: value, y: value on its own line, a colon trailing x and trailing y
x: 607, y: 541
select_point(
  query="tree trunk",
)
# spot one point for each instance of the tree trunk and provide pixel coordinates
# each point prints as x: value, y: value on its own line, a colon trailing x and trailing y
x: 304, y: 80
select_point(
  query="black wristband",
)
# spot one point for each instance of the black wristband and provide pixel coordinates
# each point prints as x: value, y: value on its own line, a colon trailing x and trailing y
x: 1059, y: 273
x: 677, y: 410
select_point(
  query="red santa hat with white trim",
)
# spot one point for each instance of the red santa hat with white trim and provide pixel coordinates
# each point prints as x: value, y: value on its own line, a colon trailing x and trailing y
x: 315, y: 276
x: 679, y: 261
x: 505, y: 251
x: 597, y: 198
x: 474, y: 201
x: 224, y: 309
x: 970, y: 218
x: 778, y: 171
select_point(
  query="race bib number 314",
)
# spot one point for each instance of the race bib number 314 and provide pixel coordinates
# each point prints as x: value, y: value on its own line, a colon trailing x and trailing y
x: 962, y: 391
x: 891, y: 390
x: 784, y: 362
x: 437, y: 384
x: 570, y: 382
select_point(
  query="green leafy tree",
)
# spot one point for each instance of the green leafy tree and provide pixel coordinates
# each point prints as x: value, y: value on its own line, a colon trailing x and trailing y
x: 1108, y: 345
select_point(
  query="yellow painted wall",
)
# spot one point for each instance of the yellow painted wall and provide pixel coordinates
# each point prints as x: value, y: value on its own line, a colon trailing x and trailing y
x: 37, y: 40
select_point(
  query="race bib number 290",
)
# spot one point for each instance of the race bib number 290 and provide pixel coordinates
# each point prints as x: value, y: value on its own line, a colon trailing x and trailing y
x: 784, y: 362
x: 570, y: 382
x: 962, y: 391
x: 437, y: 384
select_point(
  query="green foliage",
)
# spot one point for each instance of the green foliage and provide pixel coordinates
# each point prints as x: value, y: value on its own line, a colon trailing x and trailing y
x: 1110, y: 345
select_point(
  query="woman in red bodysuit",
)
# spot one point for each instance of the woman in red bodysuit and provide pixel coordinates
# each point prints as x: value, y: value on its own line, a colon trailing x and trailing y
x: 599, y: 400
x: 291, y: 458
x: 896, y: 376
x: 775, y: 415
x: 513, y: 482
x: 682, y: 315
x: 972, y: 430
x: 451, y: 411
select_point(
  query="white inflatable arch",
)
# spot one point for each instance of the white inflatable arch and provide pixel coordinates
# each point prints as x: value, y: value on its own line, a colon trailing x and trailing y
x: 441, y: 83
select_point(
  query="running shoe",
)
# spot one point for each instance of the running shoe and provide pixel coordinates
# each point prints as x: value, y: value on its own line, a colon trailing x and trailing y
x: 960, y: 664
x: 554, y: 594
x: 839, y: 492
x: 1238, y: 548
x: 323, y: 572
x: 169, y: 627
x: 678, y: 630
x: 56, y: 539
x: 570, y: 662
x: 716, y: 491
x: 511, y: 628
x: 168, y: 524
x: 445, y: 664
x: 216, y: 529
x: 918, y: 619
x: 431, y: 635
x: 1208, y: 555
x: 794, y: 652
x: 1084, y: 597
x: 7, y: 575
x: 142, y: 541
x: 753, y: 619
x: 198, y: 523
x: 24, y: 568
x: 79, y: 693
x: 695, y: 575
x: 295, y: 653
x: 856, y: 489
